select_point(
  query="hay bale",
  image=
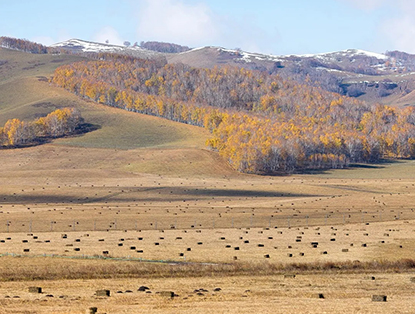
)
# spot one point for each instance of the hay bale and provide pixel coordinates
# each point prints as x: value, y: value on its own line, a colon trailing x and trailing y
x: 35, y: 289
x: 26, y: 250
x: 320, y: 296
x: 289, y: 276
x: 379, y: 298
x: 64, y: 236
x: 103, y: 293
x: 345, y: 250
x: 92, y: 310
x: 143, y: 288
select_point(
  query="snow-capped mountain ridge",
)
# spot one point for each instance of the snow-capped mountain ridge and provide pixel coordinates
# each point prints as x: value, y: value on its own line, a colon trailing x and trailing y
x: 79, y: 45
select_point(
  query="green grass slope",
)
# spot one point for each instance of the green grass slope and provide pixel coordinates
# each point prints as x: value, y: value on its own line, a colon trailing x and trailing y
x: 25, y: 95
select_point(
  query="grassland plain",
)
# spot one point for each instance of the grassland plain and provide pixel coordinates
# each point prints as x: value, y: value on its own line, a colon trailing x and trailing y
x: 142, y: 187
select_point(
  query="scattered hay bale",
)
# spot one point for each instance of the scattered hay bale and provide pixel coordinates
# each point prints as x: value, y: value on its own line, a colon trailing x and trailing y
x: 345, y: 250
x: 188, y: 249
x: 120, y: 244
x: 35, y: 289
x: 140, y: 251
x: 132, y: 247
x: 77, y: 249
x: 320, y: 296
x: 301, y: 254
x: 236, y: 248
x: 103, y: 293
x: 64, y: 236
x: 364, y: 245
x: 260, y: 245
x: 26, y: 250
x: 266, y: 255
x: 289, y: 255
x: 379, y: 298
x: 92, y: 310
x: 289, y: 276
x: 324, y: 252
x: 143, y: 288
x: 217, y: 289
x: 105, y: 252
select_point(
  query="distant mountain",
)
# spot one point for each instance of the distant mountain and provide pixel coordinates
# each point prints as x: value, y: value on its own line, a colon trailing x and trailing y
x: 387, y: 78
x: 83, y: 46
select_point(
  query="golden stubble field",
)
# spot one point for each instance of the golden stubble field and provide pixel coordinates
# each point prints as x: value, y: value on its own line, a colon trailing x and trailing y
x: 184, y: 205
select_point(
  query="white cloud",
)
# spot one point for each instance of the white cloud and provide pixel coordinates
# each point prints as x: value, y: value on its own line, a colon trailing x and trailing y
x: 396, y: 32
x: 176, y: 21
x: 196, y: 25
x: 401, y: 33
x: 108, y: 33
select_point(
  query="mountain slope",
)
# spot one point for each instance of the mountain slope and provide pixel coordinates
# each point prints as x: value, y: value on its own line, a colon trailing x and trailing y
x: 83, y: 46
x: 372, y: 77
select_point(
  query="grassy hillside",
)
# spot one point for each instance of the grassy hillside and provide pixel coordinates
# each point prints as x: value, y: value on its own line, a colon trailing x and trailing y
x: 24, y: 94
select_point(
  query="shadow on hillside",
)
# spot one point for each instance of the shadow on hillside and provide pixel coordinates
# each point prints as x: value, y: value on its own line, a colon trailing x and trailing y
x: 381, y: 164
x: 85, y: 128
x: 235, y: 193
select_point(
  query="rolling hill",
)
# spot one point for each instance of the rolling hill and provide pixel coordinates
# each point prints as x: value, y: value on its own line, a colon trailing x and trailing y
x: 373, y: 77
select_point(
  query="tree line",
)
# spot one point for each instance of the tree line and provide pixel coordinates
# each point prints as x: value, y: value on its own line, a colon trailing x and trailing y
x: 61, y: 122
x: 26, y: 46
x: 260, y: 123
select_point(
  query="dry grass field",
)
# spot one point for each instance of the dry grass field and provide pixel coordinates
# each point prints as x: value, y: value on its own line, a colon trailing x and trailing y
x: 141, y: 202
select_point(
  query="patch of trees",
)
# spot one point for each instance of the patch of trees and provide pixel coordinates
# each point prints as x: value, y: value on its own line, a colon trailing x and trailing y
x: 163, y: 47
x: 260, y: 123
x: 61, y: 122
x: 26, y: 46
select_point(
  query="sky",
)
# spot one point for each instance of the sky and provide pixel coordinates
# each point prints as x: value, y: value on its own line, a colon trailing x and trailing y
x: 276, y: 27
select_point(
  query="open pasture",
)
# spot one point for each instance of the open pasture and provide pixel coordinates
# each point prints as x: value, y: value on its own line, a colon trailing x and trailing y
x: 141, y: 188
x: 331, y: 292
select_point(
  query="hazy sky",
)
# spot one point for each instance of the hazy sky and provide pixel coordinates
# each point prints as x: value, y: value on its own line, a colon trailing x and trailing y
x: 268, y: 26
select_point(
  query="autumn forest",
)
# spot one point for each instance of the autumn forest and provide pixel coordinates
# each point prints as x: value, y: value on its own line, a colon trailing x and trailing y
x: 260, y: 123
